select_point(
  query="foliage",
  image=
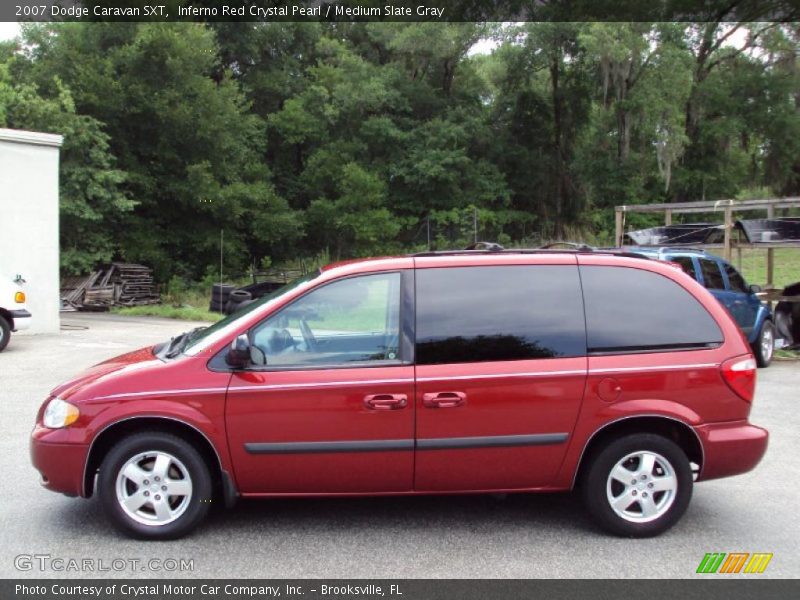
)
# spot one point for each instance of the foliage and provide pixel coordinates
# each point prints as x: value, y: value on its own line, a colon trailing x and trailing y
x: 277, y: 141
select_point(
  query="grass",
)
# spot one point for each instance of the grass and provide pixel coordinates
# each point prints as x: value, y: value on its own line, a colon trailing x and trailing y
x: 168, y: 311
x: 754, y: 266
x: 783, y: 354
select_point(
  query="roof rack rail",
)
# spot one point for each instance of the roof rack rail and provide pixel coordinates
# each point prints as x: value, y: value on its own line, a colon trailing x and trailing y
x: 494, y: 248
x: 488, y: 246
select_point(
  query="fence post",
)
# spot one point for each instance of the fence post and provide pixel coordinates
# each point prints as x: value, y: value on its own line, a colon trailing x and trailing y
x: 618, y: 223
x: 728, y: 232
x: 770, y: 251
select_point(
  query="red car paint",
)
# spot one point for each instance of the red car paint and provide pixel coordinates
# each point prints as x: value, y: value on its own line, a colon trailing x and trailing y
x: 572, y: 399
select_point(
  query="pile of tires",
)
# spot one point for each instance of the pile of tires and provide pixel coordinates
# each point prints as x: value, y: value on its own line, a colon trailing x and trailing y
x: 237, y: 299
x: 220, y: 294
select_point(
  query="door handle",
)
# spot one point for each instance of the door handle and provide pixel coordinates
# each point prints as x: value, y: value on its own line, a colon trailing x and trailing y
x: 385, y: 401
x: 444, y: 399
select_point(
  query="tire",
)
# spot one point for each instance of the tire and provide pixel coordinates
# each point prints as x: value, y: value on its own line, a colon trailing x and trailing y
x: 220, y: 292
x: 239, y: 296
x: 628, y: 519
x: 215, y: 306
x: 764, y: 347
x: 231, y: 307
x: 5, y: 333
x: 138, y: 454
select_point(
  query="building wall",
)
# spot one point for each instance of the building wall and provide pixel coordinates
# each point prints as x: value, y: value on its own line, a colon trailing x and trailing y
x: 29, y: 220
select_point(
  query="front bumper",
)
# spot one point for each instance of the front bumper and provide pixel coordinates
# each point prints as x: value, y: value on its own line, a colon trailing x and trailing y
x: 22, y: 319
x: 730, y: 448
x: 60, y: 465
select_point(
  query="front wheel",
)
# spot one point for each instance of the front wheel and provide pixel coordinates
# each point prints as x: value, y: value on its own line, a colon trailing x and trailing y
x: 764, y: 346
x: 154, y: 486
x: 5, y: 333
x: 638, y: 485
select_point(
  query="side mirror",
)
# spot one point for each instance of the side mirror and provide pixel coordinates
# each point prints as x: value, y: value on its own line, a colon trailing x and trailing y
x: 755, y: 288
x: 238, y: 355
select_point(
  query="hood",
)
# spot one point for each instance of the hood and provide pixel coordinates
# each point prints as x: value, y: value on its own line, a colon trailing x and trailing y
x: 124, y: 363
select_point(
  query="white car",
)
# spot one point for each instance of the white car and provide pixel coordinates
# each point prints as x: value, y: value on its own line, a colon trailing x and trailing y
x: 14, y: 314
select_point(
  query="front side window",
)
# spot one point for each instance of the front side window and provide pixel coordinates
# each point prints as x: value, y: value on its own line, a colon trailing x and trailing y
x: 735, y: 280
x: 476, y: 314
x: 712, y: 276
x: 630, y: 310
x: 346, y: 322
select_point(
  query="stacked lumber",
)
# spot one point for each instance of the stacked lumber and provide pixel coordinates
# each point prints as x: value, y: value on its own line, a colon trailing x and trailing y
x: 119, y: 284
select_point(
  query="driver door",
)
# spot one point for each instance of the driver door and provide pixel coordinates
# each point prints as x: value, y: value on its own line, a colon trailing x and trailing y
x: 328, y: 405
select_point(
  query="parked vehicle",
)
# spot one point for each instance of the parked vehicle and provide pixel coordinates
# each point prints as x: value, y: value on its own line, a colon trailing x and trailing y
x: 728, y: 286
x: 454, y: 372
x: 14, y: 315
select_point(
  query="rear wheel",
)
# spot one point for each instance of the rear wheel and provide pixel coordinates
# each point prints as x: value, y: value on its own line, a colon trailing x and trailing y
x: 764, y: 347
x: 638, y: 486
x: 5, y: 333
x: 154, y: 486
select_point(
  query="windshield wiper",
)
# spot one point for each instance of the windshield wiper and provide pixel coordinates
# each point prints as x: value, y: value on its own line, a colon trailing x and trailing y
x: 178, y: 343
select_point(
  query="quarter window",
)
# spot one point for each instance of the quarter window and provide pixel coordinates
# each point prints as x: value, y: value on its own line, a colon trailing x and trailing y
x: 355, y: 320
x: 735, y: 280
x: 712, y: 276
x: 686, y: 264
x: 476, y: 314
x: 629, y: 310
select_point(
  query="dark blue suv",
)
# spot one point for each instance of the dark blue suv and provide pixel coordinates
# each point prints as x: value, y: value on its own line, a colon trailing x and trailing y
x: 729, y: 287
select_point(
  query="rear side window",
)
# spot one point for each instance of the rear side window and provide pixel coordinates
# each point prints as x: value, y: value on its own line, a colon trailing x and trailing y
x: 735, y: 280
x: 476, y: 314
x: 686, y: 264
x: 712, y: 276
x: 630, y: 310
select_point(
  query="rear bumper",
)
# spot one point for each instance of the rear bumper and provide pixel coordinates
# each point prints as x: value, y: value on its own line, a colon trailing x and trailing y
x: 730, y: 448
x: 21, y: 318
x: 60, y: 465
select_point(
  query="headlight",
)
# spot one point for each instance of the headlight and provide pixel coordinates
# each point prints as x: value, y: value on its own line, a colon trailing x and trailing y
x: 59, y: 414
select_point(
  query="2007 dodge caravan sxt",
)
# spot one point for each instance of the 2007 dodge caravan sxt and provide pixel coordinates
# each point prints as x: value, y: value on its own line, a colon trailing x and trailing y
x: 453, y: 372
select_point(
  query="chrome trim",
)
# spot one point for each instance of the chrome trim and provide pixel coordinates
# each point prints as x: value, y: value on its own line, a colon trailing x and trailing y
x: 279, y: 386
x: 646, y: 415
x: 160, y: 393
x: 654, y: 368
x: 503, y: 375
x: 99, y: 433
x: 289, y: 386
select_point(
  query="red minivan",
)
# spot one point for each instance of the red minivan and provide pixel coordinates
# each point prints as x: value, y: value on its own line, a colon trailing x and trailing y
x: 452, y: 372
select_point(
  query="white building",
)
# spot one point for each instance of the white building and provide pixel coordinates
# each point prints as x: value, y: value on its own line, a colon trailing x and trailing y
x: 29, y: 220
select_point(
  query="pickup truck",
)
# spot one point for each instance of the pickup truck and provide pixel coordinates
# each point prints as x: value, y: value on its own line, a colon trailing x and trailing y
x: 14, y: 314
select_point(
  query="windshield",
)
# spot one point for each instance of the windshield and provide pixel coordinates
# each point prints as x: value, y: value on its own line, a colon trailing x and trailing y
x: 197, y: 340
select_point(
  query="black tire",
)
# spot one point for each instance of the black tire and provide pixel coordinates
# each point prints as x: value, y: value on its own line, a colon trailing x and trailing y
x: 764, y: 346
x: 5, y: 333
x: 220, y: 292
x: 231, y: 307
x: 239, y: 296
x: 188, y: 458
x: 597, y: 484
x: 215, y: 306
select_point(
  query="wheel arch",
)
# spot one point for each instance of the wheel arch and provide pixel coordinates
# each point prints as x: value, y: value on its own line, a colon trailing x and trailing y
x: 105, y: 439
x: 671, y: 428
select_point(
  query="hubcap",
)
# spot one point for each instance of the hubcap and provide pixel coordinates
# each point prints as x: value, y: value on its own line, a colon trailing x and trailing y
x: 641, y: 487
x: 154, y: 488
x: 767, y: 343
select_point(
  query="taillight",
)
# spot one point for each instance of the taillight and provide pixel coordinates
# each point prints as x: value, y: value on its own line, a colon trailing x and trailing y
x: 740, y: 375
